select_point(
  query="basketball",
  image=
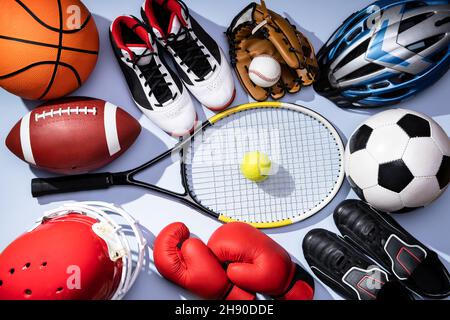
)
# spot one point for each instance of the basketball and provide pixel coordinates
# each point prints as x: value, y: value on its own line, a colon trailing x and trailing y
x: 48, y: 48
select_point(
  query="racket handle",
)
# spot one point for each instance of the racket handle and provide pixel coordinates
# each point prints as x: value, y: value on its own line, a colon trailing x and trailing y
x: 82, y: 182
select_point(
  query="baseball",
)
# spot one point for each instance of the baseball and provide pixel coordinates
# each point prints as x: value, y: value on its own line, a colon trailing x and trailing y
x: 264, y: 71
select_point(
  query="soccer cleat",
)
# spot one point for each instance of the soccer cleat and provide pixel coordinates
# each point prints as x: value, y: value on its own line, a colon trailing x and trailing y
x: 347, y: 271
x: 200, y: 62
x: 382, y: 238
x: 155, y: 88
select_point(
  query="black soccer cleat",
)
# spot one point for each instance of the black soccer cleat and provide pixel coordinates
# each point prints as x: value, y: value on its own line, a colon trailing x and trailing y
x: 379, y: 236
x: 347, y: 271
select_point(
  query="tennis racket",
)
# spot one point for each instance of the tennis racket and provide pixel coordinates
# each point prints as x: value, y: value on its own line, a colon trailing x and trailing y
x: 306, y: 148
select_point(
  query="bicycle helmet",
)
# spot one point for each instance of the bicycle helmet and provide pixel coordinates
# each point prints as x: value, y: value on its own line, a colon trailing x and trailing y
x: 386, y: 53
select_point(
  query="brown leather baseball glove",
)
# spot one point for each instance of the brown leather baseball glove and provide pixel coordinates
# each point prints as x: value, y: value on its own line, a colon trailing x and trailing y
x: 258, y: 31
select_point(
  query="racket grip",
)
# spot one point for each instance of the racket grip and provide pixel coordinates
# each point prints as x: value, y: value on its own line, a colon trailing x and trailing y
x: 82, y: 182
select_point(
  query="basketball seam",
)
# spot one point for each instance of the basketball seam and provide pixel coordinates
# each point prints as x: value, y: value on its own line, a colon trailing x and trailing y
x: 43, y: 62
x: 58, y: 55
x: 40, y: 63
x: 48, y: 45
x: 75, y: 72
x: 83, y: 25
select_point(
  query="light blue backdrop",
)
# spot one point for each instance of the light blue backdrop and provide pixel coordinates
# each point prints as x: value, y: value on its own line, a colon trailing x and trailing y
x: 317, y: 19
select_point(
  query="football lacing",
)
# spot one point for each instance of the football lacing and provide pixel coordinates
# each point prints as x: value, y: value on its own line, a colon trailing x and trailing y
x: 61, y: 111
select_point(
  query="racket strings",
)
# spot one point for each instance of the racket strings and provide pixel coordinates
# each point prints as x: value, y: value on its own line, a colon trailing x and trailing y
x: 307, y: 153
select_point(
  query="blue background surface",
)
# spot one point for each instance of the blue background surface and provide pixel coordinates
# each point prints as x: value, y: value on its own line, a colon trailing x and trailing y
x: 318, y: 20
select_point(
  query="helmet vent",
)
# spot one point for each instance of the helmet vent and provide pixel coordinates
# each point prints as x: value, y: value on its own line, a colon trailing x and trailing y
x: 380, y: 85
x: 394, y: 94
x: 421, y: 45
x: 43, y: 264
x: 411, y: 22
x: 359, y: 88
x: 364, y: 71
x: 340, y: 48
x: 12, y: 270
x: 59, y: 290
x: 354, y: 33
x: 442, y: 22
x: 1, y: 283
x: 353, y: 23
x: 359, y: 50
x: 26, y: 266
x: 28, y: 293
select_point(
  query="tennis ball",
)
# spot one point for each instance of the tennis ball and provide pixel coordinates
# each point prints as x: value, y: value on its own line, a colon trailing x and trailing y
x: 256, y: 166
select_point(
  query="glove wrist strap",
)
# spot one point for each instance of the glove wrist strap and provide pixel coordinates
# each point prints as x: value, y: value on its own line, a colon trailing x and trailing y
x: 301, y: 286
x: 236, y: 293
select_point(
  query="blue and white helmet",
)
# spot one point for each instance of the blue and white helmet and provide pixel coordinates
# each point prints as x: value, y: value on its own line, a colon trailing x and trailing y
x: 386, y: 53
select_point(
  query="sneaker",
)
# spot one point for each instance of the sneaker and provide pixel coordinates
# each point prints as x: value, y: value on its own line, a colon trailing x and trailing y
x: 155, y: 88
x: 379, y: 236
x: 347, y: 271
x: 200, y: 62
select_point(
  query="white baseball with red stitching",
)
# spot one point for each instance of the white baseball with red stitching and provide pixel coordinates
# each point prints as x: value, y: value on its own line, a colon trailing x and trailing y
x: 264, y: 71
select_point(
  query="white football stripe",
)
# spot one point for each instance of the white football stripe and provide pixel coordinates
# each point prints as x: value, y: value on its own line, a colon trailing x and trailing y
x: 25, y: 139
x: 112, y: 138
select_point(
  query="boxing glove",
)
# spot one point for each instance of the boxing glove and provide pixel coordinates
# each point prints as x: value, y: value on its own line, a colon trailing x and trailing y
x: 189, y: 263
x: 257, y: 263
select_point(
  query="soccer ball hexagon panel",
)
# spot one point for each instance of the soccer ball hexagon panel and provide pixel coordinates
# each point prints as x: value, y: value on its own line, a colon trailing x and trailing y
x: 398, y: 160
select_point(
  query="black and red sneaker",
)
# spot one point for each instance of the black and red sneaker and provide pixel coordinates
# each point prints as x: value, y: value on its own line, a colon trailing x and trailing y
x: 379, y: 236
x: 199, y: 60
x: 155, y: 88
x: 347, y: 271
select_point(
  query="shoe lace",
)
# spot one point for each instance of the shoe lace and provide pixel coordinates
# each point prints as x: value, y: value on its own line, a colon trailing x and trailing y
x: 190, y: 52
x: 154, y: 78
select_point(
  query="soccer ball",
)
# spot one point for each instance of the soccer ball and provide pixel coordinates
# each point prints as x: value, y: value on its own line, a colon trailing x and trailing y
x: 398, y: 160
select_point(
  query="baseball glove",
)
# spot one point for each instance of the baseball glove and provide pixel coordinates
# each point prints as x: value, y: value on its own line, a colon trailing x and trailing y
x: 258, y: 31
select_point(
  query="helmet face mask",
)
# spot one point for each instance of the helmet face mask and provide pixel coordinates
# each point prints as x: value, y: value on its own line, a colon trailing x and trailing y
x: 78, y: 251
x: 386, y: 53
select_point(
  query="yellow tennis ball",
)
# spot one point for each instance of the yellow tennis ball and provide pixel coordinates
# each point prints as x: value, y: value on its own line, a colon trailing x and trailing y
x: 256, y: 166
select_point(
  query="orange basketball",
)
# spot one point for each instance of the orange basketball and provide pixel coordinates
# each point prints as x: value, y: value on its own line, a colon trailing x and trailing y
x: 48, y: 48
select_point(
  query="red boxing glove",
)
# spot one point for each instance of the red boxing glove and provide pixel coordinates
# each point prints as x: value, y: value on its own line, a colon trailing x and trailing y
x: 189, y: 263
x: 258, y: 264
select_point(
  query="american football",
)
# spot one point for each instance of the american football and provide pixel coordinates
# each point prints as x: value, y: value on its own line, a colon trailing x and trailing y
x: 96, y: 131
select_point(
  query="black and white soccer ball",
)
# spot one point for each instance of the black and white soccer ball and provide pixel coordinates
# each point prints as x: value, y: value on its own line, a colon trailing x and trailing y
x: 398, y: 160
